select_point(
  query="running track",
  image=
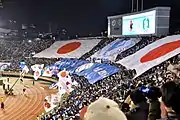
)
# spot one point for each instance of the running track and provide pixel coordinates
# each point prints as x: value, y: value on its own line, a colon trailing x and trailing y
x: 20, y: 107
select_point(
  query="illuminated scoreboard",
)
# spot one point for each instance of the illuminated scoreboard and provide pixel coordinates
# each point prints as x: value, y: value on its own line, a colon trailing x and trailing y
x: 153, y: 21
x: 139, y: 24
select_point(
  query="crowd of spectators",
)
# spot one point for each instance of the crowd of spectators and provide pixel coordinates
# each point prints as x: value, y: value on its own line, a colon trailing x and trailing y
x: 16, y: 50
x: 116, y: 87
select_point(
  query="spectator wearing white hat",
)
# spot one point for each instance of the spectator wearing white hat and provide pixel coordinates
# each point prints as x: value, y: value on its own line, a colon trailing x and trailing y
x: 104, y: 109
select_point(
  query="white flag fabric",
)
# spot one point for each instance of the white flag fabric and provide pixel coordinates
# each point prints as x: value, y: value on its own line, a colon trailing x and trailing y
x: 152, y: 55
x: 25, y: 69
x: 68, y: 49
x: 65, y: 82
x: 4, y: 66
x: 47, y: 73
x: 37, y: 74
x: 52, y: 100
x: 37, y: 67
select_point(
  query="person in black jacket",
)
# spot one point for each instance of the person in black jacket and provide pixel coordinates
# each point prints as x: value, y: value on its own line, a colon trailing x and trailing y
x: 140, y: 112
x: 154, y: 104
x: 171, y: 100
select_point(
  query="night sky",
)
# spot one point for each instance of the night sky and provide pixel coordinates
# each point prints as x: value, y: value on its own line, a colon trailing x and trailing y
x: 77, y: 16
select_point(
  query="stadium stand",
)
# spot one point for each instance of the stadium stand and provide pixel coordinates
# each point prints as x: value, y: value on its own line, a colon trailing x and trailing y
x: 16, y: 50
x: 116, y: 87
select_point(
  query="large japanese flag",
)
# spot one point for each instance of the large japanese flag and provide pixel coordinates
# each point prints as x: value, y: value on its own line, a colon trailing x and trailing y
x: 68, y: 49
x: 153, y: 54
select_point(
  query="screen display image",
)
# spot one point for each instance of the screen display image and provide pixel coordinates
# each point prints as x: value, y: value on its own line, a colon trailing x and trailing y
x: 139, y: 24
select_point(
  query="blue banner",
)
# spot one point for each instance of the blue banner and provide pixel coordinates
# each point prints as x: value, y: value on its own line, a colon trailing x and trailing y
x: 70, y: 64
x: 92, y: 71
x: 96, y: 71
x: 101, y: 71
x: 111, y: 51
x: 84, y: 69
x: 71, y: 68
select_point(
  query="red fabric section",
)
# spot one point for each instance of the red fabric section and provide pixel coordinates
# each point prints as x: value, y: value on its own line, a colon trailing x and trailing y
x: 68, y: 47
x: 160, y: 51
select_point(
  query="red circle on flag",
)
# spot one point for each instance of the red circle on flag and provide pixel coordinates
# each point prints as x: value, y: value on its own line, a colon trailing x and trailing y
x: 160, y: 51
x: 47, y: 72
x: 47, y: 105
x: 63, y: 74
x: 69, y: 47
x: 37, y: 73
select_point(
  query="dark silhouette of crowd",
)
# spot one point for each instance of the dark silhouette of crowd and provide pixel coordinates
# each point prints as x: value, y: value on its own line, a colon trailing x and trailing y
x: 17, y: 50
x: 118, y: 87
x: 121, y: 86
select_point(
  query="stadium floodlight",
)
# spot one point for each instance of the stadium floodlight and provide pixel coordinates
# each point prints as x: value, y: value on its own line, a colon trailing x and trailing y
x: 29, y: 41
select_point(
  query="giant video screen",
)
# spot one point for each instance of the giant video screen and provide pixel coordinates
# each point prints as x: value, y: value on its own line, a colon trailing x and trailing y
x: 139, y: 24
